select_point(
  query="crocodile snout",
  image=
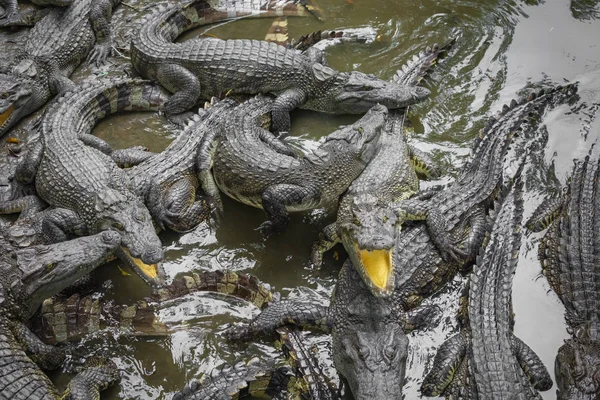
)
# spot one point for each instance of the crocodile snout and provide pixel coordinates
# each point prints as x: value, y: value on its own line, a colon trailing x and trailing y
x: 152, y: 255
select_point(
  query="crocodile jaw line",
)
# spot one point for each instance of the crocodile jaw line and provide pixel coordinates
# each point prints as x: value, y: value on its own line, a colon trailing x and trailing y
x: 378, y: 268
x: 149, y: 271
x: 6, y: 115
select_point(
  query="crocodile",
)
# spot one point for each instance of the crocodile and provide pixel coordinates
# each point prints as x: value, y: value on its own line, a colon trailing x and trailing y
x: 249, y: 164
x: 370, y: 346
x: 85, y: 188
x: 55, y: 47
x: 568, y: 256
x: 206, y: 67
x: 66, y: 320
x: 516, y: 371
x: 300, y: 378
x: 390, y: 176
x: 28, y: 276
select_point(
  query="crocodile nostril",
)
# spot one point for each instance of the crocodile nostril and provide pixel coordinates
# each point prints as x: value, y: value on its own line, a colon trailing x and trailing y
x: 152, y: 255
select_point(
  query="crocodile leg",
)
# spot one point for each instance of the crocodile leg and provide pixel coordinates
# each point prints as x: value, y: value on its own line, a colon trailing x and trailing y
x: 180, y: 199
x: 423, y: 163
x: 27, y: 168
x: 184, y: 85
x: 100, y: 13
x: 280, y: 314
x: 27, y: 206
x: 415, y: 210
x: 276, y: 199
x: 46, y: 356
x: 127, y: 158
x: 329, y: 237
x: 58, y: 223
x: 275, y: 143
x: 204, y: 161
x: 447, y: 361
x: 284, y: 103
x: 12, y: 17
x: 532, y: 365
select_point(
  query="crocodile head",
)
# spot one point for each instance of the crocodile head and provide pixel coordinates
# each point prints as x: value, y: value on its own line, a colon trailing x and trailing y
x: 125, y: 213
x: 369, y: 237
x: 373, y: 362
x: 577, y: 370
x: 355, y: 92
x: 46, y: 270
x: 15, y: 99
x: 360, y: 138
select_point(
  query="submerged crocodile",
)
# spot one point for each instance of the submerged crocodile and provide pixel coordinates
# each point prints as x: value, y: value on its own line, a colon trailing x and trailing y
x: 55, y: 47
x: 201, y: 68
x: 370, y: 345
x: 516, y: 371
x: 88, y: 192
x: 389, y: 177
x: 569, y: 255
x: 27, y: 277
x: 66, y: 320
x: 252, y: 166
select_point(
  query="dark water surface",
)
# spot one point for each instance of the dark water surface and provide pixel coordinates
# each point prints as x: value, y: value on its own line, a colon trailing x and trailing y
x: 500, y: 48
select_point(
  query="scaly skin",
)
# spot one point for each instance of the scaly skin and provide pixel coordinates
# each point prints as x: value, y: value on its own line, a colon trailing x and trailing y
x: 569, y: 257
x: 250, y: 165
x: 12, y: 17
x: 366, y: 224
x: 516, y: 371
x: 369, y: 332
x: 201, y: 68
x: 73, y: 318
x: 27, y: 276
x: 420, y: 268
x: 86, y: 189
x: 56, y: 46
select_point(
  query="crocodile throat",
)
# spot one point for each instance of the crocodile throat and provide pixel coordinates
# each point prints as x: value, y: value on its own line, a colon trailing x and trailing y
x: 378, y: 266
x: 6, y: 115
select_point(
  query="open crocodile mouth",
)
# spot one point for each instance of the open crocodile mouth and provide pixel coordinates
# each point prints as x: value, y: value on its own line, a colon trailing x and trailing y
x: 378, y: 268
x: 5, y: 116
x: 150, y: 273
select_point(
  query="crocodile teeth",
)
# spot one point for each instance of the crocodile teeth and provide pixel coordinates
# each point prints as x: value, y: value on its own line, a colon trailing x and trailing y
x: 6, y: 115
x: 378, y: 266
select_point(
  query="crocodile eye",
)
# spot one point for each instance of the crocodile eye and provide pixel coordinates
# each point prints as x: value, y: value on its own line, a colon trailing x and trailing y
x: 385, y: 218
x: 4, y: 95
x: 139, y: 217
x: 119, y: 226
x: 49, y: 267
x: 366, y: 88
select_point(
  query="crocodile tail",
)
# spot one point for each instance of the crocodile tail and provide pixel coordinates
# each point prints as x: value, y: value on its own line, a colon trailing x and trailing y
x: 255, y: 378
x: 168, y: 22
x: 305, y: 365
x: 411, y: 73
x: 243, y: 286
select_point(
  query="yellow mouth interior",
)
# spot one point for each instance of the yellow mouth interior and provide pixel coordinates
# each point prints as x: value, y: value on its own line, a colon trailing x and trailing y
x: 149, y: 270
x: 377, y: 265
x: 6, y: 114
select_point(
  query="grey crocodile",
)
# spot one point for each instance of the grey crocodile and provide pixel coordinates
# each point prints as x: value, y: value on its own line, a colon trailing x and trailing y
x: 201, y: 68
x: 516, y: 371
x: 88, y: 192
x: 27, y: 277
x: 391, y: 176
x: 55, y: 47
x: 252, y: 166
x: 569, y: 257
x: 369, y: 332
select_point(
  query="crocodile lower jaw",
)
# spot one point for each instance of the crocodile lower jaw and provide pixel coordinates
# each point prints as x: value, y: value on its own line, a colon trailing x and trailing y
x: 5, y: 116
x: 149, y: 272
x: 378, y: 268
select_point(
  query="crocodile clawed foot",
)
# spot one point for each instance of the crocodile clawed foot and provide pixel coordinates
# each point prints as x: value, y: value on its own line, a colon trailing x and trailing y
x: 268, y: 228
x: 453, y: 253
x: 181, y: 120
x: 99, y: 54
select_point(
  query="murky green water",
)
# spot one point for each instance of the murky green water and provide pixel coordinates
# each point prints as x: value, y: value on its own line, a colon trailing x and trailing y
x: 500, y: 48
